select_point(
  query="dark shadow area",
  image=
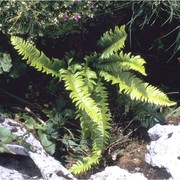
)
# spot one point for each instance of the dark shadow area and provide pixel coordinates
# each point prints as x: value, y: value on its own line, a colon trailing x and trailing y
x: 22, y: 164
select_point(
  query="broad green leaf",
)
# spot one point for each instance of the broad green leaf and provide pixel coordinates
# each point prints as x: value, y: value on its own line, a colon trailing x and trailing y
x: 6, y: 135
x: 48, y: 145
x: 5, y: 62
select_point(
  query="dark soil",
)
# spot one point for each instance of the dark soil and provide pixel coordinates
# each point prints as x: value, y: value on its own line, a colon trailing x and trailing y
x: 133, y: 159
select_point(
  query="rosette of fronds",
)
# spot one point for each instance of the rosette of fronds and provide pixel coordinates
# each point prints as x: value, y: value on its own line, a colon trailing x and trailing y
x: 85, y: 82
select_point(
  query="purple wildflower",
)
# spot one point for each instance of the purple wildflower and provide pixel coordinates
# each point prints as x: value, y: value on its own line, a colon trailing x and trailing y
x: 65, y: 16
x: 76, y: 17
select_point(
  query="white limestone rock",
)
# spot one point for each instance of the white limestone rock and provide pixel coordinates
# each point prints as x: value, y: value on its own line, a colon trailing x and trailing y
x: 48, y: 166
x: 6, y: 174
x: 116, y: 173
x: 164, y: 150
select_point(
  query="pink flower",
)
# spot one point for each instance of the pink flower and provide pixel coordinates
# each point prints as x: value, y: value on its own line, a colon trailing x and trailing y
x: 65, y: 16
x: 76, y: 17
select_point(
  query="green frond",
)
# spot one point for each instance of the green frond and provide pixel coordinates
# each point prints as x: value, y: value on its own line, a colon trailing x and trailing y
x: 112, y: 41
x: 121, y: 62
x: 137, y: 89
x: 94, y: 104
x: 98, y: 131
x: 86, y: 163
x: 91, y: 58
x: 80, y: 94
x: 148, y: 115
x: 98, y: 135
x: 89, y: 77
x: 101, y: 97
x: 111, y: 64
x: 36, y: 58
x: 94, y: 129
x: 85, y: 123
x: 72, y: 57
x: 131, y: 62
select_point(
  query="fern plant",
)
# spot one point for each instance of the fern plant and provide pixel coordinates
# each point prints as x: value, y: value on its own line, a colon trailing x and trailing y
x: 85, y: 80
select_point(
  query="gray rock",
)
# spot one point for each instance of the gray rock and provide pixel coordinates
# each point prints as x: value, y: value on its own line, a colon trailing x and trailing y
x: 116, y: 173
x: 158, y: 131
x: 6, y: 174
x: 164, y: 150
x: 48, y: 166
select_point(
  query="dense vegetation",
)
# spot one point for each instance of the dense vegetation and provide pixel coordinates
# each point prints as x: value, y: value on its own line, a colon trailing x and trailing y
x: 83, y: 47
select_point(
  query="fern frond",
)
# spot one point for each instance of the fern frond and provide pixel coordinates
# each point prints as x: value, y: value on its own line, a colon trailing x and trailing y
x: 121, y: 62
x: 111, y: 64
x: 94, y: 131
x: 112, y: 41
x: 131, y: 62
x: 80, y: 94
x: 89, y: 77
x: 91, y: 100
x: 137, y: 89
x: 148, y: 115
x: 98, y: 135
x: 36, y: 58
x: 91, y: 58
x: 86, y: 163
x: 95, y: 106
x: 85, y: 123
x: 100, y: 95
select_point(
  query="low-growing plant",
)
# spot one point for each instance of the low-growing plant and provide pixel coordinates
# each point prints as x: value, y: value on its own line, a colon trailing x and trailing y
x: 6, y: 137
x: 58, y: 19
x: 13, y: 68
x: 51, y: 18
x: 147, y: 114
x: 5, y: 62
x: 86, y: 76
x: 129, y: 112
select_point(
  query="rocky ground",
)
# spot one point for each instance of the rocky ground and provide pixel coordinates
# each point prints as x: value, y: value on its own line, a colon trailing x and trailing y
x: 133, y: 160
x: 22, y: 164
